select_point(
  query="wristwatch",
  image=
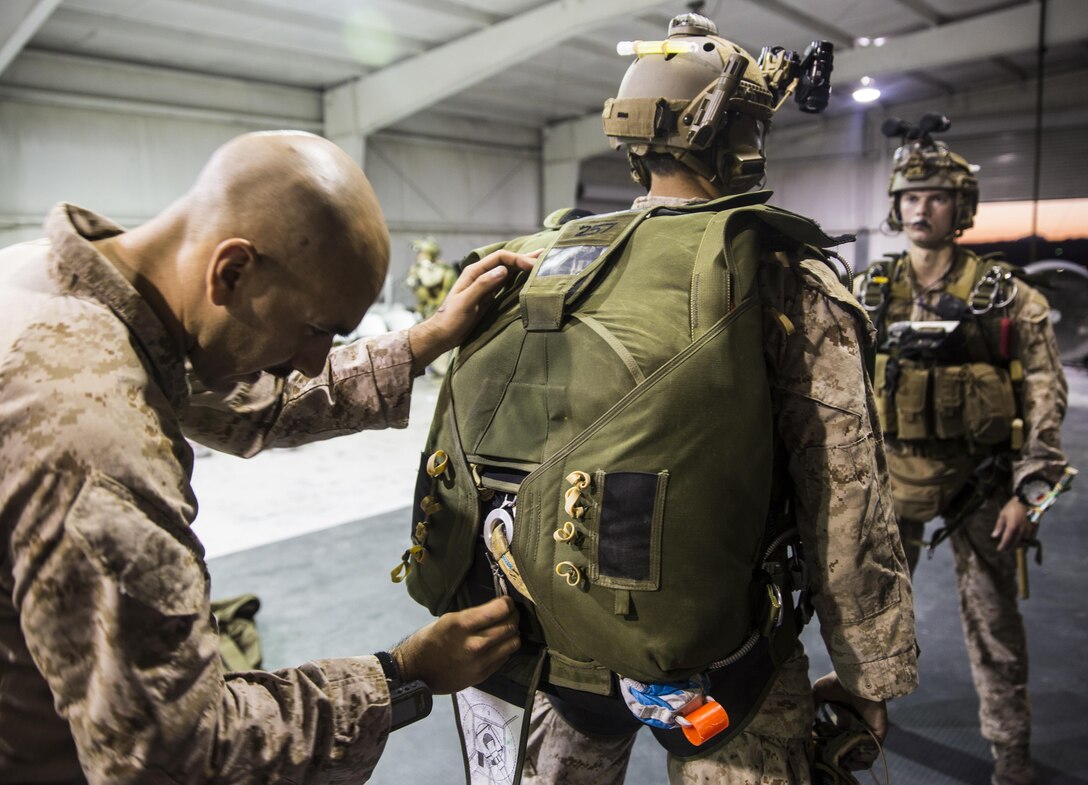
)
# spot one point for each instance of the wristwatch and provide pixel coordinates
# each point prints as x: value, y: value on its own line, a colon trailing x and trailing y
x: 409, y: 700
x: 1033, y: 490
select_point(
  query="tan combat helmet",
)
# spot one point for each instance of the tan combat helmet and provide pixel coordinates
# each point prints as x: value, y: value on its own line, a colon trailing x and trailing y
x: 427, y: 246
x: 922, y: 163
x: 707, y: 102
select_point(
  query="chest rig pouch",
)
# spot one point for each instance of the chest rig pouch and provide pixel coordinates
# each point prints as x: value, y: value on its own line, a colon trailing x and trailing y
x: 614, y: 407
x: 963, y: 387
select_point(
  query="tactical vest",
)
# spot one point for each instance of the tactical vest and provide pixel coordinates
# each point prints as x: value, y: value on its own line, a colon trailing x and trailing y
x: 965, y: 391
x: 620, y: 390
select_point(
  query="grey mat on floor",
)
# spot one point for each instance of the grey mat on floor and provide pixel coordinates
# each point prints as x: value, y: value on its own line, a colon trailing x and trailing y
x: 328, y: 594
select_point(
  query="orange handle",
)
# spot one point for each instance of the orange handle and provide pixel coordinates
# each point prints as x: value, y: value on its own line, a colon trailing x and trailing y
x: 707, y: 721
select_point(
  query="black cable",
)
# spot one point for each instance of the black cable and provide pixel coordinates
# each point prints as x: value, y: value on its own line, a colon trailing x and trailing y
x: 1040, y: 58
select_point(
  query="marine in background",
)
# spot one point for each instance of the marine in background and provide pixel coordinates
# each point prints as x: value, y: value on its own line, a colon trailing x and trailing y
x: 429, y: 278
x: 971, y: 397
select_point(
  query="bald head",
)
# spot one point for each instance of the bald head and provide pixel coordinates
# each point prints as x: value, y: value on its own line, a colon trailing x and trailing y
x: 279, y: 245
x: 299, y: 199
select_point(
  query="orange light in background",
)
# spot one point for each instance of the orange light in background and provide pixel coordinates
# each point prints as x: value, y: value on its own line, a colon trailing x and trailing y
x: 1059, y: 220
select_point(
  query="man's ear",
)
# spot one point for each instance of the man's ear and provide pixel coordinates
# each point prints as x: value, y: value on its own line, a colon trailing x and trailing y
x: 231, y: 265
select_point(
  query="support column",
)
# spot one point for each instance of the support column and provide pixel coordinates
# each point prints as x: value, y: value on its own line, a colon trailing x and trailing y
x: 560, y: 185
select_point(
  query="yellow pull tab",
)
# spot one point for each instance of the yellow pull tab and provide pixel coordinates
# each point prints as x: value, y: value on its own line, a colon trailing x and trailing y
x: 565, y: 533
x: 437, y: 463
x: 578, y: 479
x: 430, y: 505
x: 1016, y: 436
x: 784, y: 321
x: 568, y: 571
x: 774, y: 609
x: 400, y: 572
x: 421, y: 532
x: 1016, y: 371
x: 573, y: 495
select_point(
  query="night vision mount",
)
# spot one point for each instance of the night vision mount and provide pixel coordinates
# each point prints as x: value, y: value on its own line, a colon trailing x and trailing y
x: 807, y: 76
x: 922, y: 133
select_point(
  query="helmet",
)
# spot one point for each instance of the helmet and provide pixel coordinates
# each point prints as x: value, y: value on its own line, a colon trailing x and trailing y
x: 922, y: 164
x: 427, y: 246
x: 697, y: 97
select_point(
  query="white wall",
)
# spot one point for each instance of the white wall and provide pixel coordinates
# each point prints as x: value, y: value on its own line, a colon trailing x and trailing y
x: 132, y: 139
x: 128, y: 143
x: 463, y: 184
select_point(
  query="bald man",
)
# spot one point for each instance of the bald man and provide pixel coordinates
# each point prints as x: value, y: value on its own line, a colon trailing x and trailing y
x: 214, y: 320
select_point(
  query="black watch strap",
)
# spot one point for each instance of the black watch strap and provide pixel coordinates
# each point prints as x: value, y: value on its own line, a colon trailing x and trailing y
x: 408, y: 701
x: 389, y: 667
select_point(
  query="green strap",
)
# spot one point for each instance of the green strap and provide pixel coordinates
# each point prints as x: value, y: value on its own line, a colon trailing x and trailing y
x: 614, y: 343
x: 709, y: 278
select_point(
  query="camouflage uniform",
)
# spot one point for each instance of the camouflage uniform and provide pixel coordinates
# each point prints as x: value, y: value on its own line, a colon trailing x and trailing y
x: 109, y: 663
x: 986, y: 578
x: 825, y: 416
x: 430, y: 281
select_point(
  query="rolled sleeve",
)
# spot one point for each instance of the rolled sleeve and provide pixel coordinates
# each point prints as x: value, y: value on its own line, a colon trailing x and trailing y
x: 364, y: 385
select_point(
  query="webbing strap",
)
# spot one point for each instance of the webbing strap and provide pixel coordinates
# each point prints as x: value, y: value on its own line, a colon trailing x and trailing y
x: 614, y: 344
x: 709, y: 277
x: 965, y: 282
x: 900, y: 280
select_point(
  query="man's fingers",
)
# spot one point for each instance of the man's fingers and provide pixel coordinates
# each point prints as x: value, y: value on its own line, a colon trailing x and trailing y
x: 499, y: 260
x: 489, y: 614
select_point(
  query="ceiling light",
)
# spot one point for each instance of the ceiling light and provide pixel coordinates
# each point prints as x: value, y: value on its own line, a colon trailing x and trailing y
x: 880, y: 41
x: 868, y: 91
x: 863, y: 41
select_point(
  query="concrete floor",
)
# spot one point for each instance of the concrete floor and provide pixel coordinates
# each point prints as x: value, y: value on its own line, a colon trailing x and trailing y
x: 326, y: 592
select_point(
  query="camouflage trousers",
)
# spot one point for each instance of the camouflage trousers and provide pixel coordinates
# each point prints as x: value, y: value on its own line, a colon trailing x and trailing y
x: 773, y: 750
x: 992, y: 624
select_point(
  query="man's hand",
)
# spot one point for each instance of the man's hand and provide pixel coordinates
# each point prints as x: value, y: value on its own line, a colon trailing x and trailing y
x: 451, y: 323
x: 461, y: 648
x: 874, y: 713
x: 1013, y: 525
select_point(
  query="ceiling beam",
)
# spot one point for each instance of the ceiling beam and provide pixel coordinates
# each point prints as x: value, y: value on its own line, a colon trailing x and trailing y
x: 1003, y: 32
x: 326, y: 47
x: 458, y: 10
x: 926, y: 78
x: 1008, y: 65
x: 795, y: 16
x: 305, y: 20
x: 923, y: 10
x: 1008, y: 31
x: 376, y: 100
x: 19, y: 21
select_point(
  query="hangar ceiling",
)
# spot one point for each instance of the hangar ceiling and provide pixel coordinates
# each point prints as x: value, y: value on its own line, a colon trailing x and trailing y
x: 531, y: 63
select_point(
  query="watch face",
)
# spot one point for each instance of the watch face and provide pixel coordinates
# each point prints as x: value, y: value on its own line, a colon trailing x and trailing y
x: 1034, y: 491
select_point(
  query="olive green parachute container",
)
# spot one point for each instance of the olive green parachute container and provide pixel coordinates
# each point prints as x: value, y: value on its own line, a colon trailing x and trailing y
x: 632, y: 353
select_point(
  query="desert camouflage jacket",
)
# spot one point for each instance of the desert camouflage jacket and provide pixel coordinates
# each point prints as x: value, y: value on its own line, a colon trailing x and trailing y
x: 108, y: 650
